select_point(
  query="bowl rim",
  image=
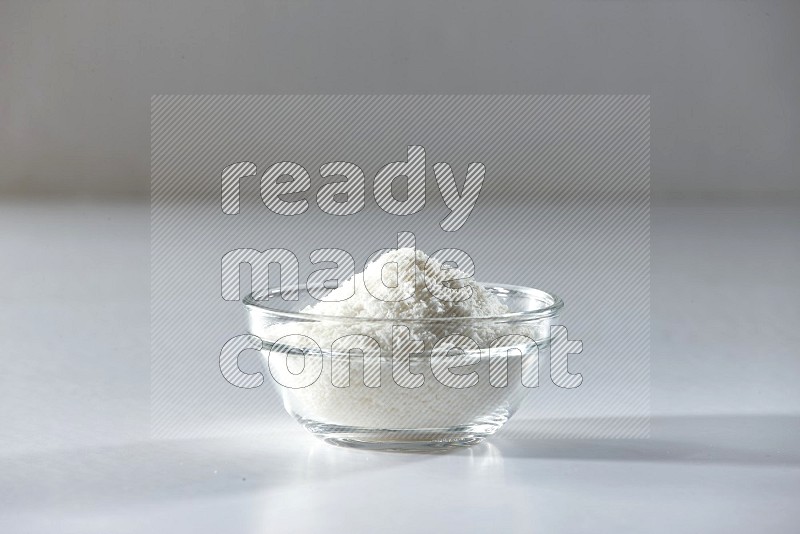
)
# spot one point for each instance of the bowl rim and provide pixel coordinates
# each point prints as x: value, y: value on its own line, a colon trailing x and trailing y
x: 551, y: 310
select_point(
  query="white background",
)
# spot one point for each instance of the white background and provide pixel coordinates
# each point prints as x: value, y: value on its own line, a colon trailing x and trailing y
x: 75, y: 84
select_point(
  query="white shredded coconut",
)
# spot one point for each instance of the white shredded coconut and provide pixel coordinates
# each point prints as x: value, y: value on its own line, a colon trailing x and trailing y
x: 379, y: 293
x: 413, y: 271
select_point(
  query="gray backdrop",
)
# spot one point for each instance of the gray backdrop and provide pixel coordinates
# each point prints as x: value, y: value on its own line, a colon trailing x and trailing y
x: 76, y: 76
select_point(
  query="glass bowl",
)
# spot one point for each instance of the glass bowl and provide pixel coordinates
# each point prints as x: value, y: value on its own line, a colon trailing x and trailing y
x: 403, y: 384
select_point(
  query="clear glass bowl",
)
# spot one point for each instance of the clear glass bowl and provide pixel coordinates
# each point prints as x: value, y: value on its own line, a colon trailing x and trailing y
x: 372, y: 397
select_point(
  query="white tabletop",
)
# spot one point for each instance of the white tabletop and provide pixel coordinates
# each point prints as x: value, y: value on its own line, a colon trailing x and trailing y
x: 76, y: 453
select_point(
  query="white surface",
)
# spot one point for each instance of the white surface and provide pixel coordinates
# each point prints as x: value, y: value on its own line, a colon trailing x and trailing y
x: 75, y: 455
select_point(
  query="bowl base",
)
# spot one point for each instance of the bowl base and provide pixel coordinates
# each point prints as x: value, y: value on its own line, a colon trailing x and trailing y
x: 400, y: 440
